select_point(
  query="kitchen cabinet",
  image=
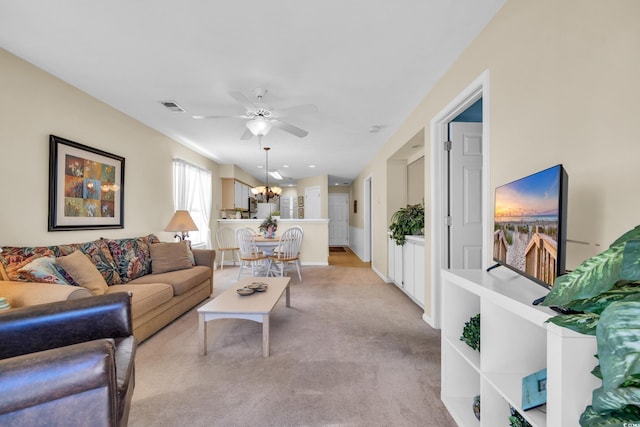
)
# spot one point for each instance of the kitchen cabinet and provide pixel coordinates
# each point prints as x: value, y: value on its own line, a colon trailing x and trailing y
x: 235, y: 194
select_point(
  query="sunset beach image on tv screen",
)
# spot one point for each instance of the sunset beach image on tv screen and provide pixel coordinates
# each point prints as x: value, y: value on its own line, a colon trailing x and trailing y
x: 526, y: 224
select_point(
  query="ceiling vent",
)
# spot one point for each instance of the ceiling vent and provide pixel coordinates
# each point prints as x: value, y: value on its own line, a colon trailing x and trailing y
x: 173, y: 106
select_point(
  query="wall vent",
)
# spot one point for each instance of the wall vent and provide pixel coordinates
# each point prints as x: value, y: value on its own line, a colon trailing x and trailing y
x: 173, y: 106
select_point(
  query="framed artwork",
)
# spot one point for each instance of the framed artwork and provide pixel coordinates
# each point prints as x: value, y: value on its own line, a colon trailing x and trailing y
x: 534, y: 390
x: 86, y: 187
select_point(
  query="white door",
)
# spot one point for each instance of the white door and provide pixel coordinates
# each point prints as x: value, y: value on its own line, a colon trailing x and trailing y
x: 338, y: 219
x: 465, y: 196
x: 312, y: 203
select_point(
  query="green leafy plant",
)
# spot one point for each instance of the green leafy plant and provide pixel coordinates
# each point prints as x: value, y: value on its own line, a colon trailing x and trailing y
x: 269, y: 222
x: 275, y: 213
x: 517, y: 420
x: 406, y: 221
x: 605, y: 293
x: 471, y: 332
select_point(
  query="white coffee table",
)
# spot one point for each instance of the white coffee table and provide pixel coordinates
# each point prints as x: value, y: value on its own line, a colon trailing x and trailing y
x: 256, y: 307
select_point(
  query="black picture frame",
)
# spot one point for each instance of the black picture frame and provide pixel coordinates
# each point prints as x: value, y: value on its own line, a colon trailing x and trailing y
x: 86, y: 187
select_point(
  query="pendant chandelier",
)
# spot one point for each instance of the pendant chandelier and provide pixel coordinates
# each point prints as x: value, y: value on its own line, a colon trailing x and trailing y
x: 264, y: 193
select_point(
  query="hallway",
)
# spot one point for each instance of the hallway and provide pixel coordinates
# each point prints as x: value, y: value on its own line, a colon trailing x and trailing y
x: 343, y: 256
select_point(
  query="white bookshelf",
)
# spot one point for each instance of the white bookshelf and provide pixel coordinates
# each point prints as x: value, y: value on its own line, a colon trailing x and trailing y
x: 515, y: 342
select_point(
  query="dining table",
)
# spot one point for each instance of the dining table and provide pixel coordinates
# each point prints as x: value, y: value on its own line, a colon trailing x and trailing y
x: 267, y: 244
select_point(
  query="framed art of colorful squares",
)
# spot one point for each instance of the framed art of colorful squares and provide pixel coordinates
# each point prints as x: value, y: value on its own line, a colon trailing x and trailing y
x: 86, y: 187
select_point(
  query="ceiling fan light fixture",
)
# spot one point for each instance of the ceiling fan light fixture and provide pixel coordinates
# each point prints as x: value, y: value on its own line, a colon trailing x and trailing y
x: 259, y: 126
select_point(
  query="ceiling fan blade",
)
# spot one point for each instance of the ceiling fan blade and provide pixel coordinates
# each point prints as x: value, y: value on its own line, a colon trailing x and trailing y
x: 246, y: 135
x: 237, y: 116
x: 290, y: 128
x: 242, y: 100
x: 297, y: 109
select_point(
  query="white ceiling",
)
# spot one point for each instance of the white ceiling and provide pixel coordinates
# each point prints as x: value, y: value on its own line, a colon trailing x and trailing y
x: 363, y: 63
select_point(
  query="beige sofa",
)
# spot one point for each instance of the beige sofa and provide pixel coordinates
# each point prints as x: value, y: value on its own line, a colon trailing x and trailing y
x: 161, y: 291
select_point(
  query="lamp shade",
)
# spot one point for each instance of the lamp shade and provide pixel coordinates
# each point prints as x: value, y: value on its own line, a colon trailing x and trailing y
x: 181, y: 222
x: 259, y: 126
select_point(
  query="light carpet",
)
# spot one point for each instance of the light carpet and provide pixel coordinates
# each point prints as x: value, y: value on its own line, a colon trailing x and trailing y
x: 351, y: 351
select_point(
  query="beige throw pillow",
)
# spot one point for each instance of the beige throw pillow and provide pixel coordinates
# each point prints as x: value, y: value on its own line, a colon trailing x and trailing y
x: 83, y: 272
x: 169, y: 257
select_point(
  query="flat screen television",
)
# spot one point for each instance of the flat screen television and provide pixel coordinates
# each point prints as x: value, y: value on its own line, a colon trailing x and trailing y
x: 530, y: 228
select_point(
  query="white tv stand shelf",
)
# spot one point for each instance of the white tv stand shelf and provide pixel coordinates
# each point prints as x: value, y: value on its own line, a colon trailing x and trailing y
x: 515, y: 342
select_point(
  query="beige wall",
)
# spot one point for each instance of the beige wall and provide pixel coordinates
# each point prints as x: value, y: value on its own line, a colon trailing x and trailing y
x: 36, y: 104
x: 321, y: 181
x: 233, y: 171
x: 563, y: 89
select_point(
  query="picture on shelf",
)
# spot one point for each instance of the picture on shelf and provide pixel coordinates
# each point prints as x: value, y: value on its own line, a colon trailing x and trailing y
x: 534, y: 390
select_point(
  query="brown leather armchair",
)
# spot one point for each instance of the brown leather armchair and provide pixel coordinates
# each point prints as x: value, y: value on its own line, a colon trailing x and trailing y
x: 68, y: 363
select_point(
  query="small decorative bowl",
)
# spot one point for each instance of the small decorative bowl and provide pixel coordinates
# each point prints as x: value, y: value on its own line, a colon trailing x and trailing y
x: 245, y: 291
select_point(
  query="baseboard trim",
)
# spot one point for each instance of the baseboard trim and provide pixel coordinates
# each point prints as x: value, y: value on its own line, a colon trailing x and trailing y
x: 428, y: 320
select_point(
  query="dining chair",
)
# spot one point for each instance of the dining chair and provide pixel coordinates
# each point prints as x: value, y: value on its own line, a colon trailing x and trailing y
x: 287, y: 255
x: 251, y: 258
x: 226, y: 239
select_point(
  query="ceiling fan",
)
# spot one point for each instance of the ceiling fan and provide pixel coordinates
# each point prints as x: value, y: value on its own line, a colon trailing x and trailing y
x: 262, y: 117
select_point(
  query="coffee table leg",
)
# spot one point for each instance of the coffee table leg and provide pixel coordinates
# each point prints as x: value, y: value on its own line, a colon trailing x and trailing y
x: 265, y: 335
x: 202, y: 331
x: 288, y: 296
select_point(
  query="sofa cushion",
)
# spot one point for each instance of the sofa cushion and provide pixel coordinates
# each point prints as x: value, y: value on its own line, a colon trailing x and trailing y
x: 44, y: 270
x: 132, y: 256
x: 83, y: 272
x: 13, y: 258
x: 180, y: 280
x: 99, y: 254
x: 144, y: 297
x: 169, y: 257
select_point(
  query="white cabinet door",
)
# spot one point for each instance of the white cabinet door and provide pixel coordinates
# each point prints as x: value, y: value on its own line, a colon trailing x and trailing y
x: 391, y: 263
x: 409, y: 268
x: 241, y: 195
x: 397, y: 260
x: 418, y: 267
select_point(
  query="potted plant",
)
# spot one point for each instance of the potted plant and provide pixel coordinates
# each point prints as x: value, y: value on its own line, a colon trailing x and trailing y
x: 471, y: 332
x: 275, y: 215
x: 407, y: 221
x: 269, y: 226
x: 604, y: 295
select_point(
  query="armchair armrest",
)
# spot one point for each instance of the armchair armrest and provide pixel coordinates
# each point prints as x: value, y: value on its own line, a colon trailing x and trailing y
x: 64, y: 323
x: 69, y: 385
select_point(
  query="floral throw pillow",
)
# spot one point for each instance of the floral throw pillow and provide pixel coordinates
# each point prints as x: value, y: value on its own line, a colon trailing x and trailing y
x: 44, y: 270
x: 132, y: 256
x: 14, y: 258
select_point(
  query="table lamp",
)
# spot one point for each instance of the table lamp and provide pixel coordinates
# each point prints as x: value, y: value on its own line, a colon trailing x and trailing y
x: 182, y: 223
